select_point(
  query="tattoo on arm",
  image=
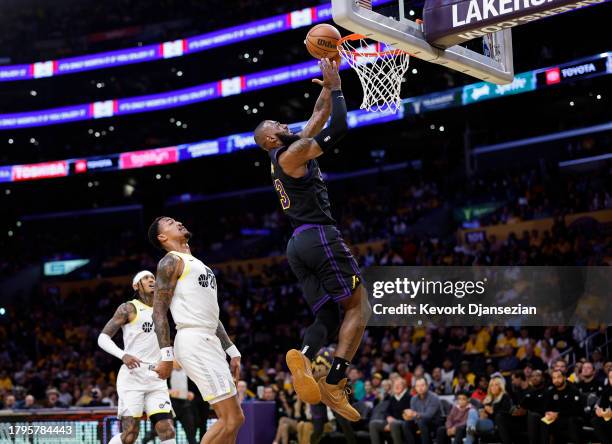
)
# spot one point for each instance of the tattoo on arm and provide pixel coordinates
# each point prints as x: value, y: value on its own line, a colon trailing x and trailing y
x: 223, y: 337
x: 298, y: 154
x: 120, y: 318
x: 168, y: 271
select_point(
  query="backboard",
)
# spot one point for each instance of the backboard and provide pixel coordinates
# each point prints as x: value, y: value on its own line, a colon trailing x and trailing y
x: 397, y: 31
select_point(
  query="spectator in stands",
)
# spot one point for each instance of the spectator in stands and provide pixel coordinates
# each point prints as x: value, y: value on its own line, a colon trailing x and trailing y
x: 437, y: 384
x: 602, y: 422
x: 508, y: 338
x: 448, y: 374
x: 509, y: 361
x: 5, y: 381
x: 529, y: 357
x: 603, y: 373
x: 29, y: 402
x: 549, y: 354
x: 282, y: 404
x: 65, y: 396
x: 355, y: 377
x: 588, y: 382
x: 419, y: 372
x: 52, y: 401
x: 370, y: 394
x: 561, y: 365
x: 533, y: 402
x: 597, y: 359
x: 423, y: 414
x: 9, y: 402
x: 563, y: 410
x: 482, y: 421
x: 288, y: 425
x: 96, y: 398
x: 243, y: 395
x: 466, y: 372
x: 481, y: 389
x: 512, y: 425
x: 393, y: 422
x: 574, y: 377
x: 460, y: 384
x: 457, y: 418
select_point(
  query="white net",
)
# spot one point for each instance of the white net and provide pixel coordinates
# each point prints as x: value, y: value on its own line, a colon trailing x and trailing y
x: 380, y: 72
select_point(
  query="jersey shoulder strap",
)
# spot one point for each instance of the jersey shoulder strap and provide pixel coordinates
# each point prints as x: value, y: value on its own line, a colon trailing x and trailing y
x: 187, y: 259
x: 135, y: 303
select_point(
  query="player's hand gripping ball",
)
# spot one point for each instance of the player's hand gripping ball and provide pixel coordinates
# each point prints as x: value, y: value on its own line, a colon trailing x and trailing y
x: 322, y: 42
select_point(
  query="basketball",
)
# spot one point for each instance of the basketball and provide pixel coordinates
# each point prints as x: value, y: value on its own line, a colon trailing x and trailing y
x: 322, y: 41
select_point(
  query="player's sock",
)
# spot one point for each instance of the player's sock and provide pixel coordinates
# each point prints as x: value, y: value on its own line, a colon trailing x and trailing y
x: 116, y: 439
x: 169, y: 441
x: 338, y: 371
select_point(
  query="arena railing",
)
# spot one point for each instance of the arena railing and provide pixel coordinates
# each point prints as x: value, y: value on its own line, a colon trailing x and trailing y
x: 455, y: 97
x: 171, y: 49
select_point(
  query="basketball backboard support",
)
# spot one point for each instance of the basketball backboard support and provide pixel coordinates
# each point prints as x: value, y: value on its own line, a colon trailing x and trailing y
x: 402, y: 33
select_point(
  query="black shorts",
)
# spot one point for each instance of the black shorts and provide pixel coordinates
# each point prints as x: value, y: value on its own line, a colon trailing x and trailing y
x: 323, y: 264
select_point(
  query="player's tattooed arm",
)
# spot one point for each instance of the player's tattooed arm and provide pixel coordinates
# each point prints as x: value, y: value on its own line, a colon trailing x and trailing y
x: 226, y: 342
x: 168, y: 271
x: 298, y: 154
x: 121, y: 317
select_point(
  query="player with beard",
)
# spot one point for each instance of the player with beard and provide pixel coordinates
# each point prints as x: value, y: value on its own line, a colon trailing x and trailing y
x: 138, y: 387
x: 317, y: 254
x: 189, y: 289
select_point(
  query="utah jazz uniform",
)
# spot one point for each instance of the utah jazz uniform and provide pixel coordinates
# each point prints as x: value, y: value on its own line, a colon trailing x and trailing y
x: 316, y: 251
x: 140, y: 389
x: 197, y: 348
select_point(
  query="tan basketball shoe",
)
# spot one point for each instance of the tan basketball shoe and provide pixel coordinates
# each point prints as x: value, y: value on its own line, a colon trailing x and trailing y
x: 336, y: 398
x: 303, y: 383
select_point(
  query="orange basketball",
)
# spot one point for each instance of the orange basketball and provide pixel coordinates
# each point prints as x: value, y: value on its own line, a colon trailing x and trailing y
x: 322, y: 41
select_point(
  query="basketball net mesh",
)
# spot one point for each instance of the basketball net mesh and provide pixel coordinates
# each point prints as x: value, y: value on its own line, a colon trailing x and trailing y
x: 380, y: 72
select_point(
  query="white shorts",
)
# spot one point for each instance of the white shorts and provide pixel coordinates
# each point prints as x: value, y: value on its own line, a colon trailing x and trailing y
x: 141, y: 390
x: 203, y: 359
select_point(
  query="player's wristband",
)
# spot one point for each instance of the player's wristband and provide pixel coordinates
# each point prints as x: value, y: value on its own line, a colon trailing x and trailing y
x: 233, y: 352
x: 167, y: 354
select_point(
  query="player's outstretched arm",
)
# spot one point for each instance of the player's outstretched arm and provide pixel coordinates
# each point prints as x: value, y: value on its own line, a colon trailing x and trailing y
x: 320, y: 114
x: 168, y: 271
x: 323, y: 106
x: 122, y: 316
x: 303, y: 150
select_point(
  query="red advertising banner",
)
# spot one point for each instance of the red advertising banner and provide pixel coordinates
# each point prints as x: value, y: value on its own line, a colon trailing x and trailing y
x: 139, y: 159
x: 43, y: 170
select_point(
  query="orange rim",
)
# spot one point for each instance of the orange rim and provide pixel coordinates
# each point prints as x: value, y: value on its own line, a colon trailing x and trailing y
x: 355, y: 53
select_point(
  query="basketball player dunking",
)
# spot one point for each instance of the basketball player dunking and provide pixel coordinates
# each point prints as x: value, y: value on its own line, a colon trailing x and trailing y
x: 189, y: 288
x: 138, y: 387
x: 317, y: 254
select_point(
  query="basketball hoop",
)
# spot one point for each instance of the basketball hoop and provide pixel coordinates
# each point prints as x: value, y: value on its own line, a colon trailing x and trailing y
x: 380, y: 70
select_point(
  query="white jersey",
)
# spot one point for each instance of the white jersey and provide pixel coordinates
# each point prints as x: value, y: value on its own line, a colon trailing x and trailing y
x: 139, y: 336
x: 194, y: 303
